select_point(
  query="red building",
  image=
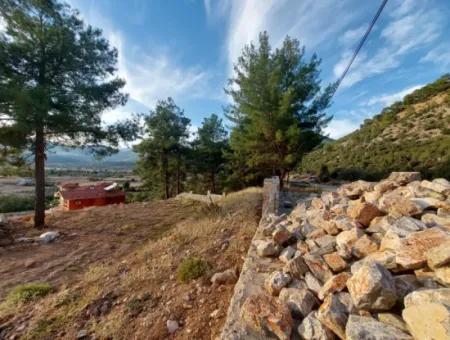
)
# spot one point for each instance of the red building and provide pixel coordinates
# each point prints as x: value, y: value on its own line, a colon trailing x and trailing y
x: 73, y: 196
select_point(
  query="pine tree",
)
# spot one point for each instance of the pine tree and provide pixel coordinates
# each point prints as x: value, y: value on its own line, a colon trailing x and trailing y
x: 277, y: 110
x: 56, y: 78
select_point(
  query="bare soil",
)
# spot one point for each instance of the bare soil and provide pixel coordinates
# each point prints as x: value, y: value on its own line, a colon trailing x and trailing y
x: 114, y: 270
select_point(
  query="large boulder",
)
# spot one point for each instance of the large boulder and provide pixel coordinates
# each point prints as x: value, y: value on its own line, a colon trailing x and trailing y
x: 440, y: 185
x: 439, y: 256
x: 312, y: 329
x: 318, y: 267
x: 333, y: 314
x: 362, y: 327
x: 355, y: 189
x: 403, y: 178
x: 428, y: 320
x: 267, y: 316
x: 334, y: 284
x: 419, y: 297
x: 300, y: 301
x: 372, y: 287
x: 363, y: 212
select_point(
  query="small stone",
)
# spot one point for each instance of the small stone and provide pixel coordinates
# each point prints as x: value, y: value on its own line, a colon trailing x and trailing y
x: 364, y: 212
x: 362, y: 327
x: 346, y: 239
x: 49, y: 236
x: 364, y: 246
x: 215, y: 314
x: 372, y: 287
x: 334, y: 284
x: 318, y: 267
x: 339, y: 210
x: 335, y: 262
x: 296, y: 267
x: 393, y: 320
x: 172, y: 326
x: 287, y: 254
x: 266, y: 248
x: 300, y: 301
x: 439, y: 256
x: 312, y: 329
x: 302, y: 247
x: 82, y: 334
x: 313, y: 283
x: 333, y: 314
x: 390, y: 241
x: 276, y: 281
x: 428, y: 320
x: 265, y: 315
x: 226, y: 277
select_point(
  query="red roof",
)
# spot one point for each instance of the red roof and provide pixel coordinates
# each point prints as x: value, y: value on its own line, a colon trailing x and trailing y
x: 90, y: 191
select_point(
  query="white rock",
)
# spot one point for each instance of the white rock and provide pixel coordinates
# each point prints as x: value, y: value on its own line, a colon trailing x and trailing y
x: 172, y: 326
x: 48, y: 237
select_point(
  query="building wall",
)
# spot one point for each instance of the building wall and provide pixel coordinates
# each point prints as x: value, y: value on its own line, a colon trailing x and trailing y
x: 100, y: 201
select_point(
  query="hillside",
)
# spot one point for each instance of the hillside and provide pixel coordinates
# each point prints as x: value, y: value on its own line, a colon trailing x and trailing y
x: 410, y: 135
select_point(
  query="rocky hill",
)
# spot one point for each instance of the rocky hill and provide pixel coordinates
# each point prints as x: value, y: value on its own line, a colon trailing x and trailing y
x: 413, y: 135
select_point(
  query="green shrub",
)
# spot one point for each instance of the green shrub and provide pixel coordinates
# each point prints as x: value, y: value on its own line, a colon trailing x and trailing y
x: 191, y: 268
x: 14, y: 203
x: 28, y: 292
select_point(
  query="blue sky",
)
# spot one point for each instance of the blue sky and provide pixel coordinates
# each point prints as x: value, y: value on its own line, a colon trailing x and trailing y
x: 186, y: 48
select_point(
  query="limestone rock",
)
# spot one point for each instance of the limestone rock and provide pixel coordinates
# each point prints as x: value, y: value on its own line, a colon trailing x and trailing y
x: 385, y: 185
x: 276, y: 281
x: 312, y: 329
x: 296, y: 267
x: 364, y: 212
x: 334, y: 284
x: 339, y: 210
x: 265, y: 315
x: 361, y: 327
x: 440, y: 185
x: 326, y: 241
x: 335, y: 262
x: 432, y: 220
x: 346, y: 239
x: 407, y: 225
x: 411, y: 254
x: 267, y: 248
x: 439, y: 256
x: 403, y: 178
x: 380, y: 224
x: 364, y: 246
x: 287, y: 254
x: 345, y: 223
x: 372, y: 287
x: 300, y: 301
x: 396, y: 205
x: 49, y: 236
x: 355, y: 189
x: 281, y: 235
x: 390, y: 241
x: 333, y: 314
x: 405, y: 284
x: 172, y: 326
x: 226, y: 277
x: 393, y: 320
x: 313, y: 283
x: 443, y: 275
x: 419, y: 297
x: 386, y: 258
x: 318, y: 267
x: 428, y: 320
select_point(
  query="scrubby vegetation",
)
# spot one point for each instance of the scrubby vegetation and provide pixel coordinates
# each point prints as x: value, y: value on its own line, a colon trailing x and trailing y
x: 191, y: 268
x: 412, y: 134
x: 28, y: 292
x: 12, y: 203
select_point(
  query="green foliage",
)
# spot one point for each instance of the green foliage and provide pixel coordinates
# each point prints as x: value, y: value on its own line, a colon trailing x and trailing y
x: 278, y: 109
x: 191, y: 268
x: 13, y: 203
x: 401, y: 137
x: 28, y: 292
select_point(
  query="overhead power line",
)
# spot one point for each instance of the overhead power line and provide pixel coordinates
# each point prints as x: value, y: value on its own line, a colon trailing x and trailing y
x: 360, y: 45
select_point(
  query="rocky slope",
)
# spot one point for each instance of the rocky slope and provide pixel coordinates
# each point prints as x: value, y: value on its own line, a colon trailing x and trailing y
x: 413, y: 134
x: 368, y: 261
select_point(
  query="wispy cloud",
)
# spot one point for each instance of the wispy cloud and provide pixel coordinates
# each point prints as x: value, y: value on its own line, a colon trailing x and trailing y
x: 388, y: 99
x: 341, y: 127
x: 439, y: 55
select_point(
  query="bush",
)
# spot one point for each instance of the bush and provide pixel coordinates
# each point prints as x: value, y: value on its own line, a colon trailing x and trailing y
x: 28, y: 292
x: 14, y: 203
x: 191, y: 268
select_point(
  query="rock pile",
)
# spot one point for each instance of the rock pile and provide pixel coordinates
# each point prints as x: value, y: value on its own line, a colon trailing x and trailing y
x: 369, y: 261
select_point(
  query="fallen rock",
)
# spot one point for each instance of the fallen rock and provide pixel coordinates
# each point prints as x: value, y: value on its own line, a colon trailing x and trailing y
x: 318, y: 267
x: 226, y: 277
x: 276, y: 281
x: 300, y: 301
x: 411, y: 254
x: 386, y: 258
x: 361, y: 327
x: 266, y: 248
x: 385, y: 185
x: 355, y: 189
x: 326, y: 241
x: 428, y: 320
x: 396, y: 205
x: 267, y: 316
x: 296, y: 267
x: 364, y: 212
x: 406, y: 225
x: 372, y: 287
x: 313, y: 283
x: 345, y: 241
x: 333, y: 314
x: 335, y: 262
x: 287, y: 254
x: 439, y: 256
x: 334, y: 284
x: 312, y: 329
x: 364, y: 246
x: 419, y: 297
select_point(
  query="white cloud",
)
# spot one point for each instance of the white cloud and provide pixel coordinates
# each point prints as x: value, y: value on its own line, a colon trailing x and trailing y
x: 353, y: 36
x: 388, y: 99
x: 338, y: 128
x: 440, y: 56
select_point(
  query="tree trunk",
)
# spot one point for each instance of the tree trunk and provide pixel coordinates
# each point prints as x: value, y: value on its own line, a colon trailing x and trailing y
x: 281, y: 176
x: 165, y: 165
x: 39, y: 175
x: 178, y: 176
x: 213, y: 182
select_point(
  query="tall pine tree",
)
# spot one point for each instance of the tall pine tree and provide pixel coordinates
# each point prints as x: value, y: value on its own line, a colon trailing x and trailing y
x: 56, y: 78
x: 278, y: 108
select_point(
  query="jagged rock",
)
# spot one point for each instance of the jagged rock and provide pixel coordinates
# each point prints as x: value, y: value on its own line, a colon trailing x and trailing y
x: 302, y: 247
x: 355, y: 189
x: 340, y: 209
x: 405, y: 284
x: 313, y: 283
x: 326, y: 241
x: 299, y: 284
x: 287, y: 254
x: 276, y: 281
x: 345, y: 223
x: 346, y: 239
x: 443, y: 275
x: 226, y: 277
x: 364, y: 246
x: 440, y: 185
x: 428, y: 320
x: 318, y: 267
x: 296, y: 267
x: 361, y: 327
x: 444, y: 212
x: 316, y: 233
x: 335, y: 262
x: 312, y: 329
x: 386, y: 258
x: 371, y: 197
x: 397, y: 206
x: 346, y: 299
x: 323, y: 250
x: 265, y: 315
x: 393, y: 320
x: 267, y: 248
x: 407, y: 225
x: 439, y: 256
x: 331, y: 198
x: 372, y: 287
x: 380, y: 224
x: 281, y: 235
x: 385, y: 185
x: 403, y: 177
x: 334, y: 284
x: 411, y: 254
x: 363, y: 212
x: 333, y: 314
x: 300, y: 301
x: 419, y: 297
x: 390, y: 241
x: 432, y: 220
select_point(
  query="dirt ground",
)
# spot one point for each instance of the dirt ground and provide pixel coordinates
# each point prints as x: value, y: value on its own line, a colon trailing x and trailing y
x: 114, y: 270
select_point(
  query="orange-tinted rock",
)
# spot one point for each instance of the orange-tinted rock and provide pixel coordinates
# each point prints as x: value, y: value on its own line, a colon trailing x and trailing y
x: 335, y: 262
x: 364, y: 246
x: 363, y: 212
x: 334, y: 284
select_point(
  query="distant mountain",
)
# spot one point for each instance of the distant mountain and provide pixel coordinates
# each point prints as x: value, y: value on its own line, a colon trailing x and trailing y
x: 412, y: 134
x: 59, y: 157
